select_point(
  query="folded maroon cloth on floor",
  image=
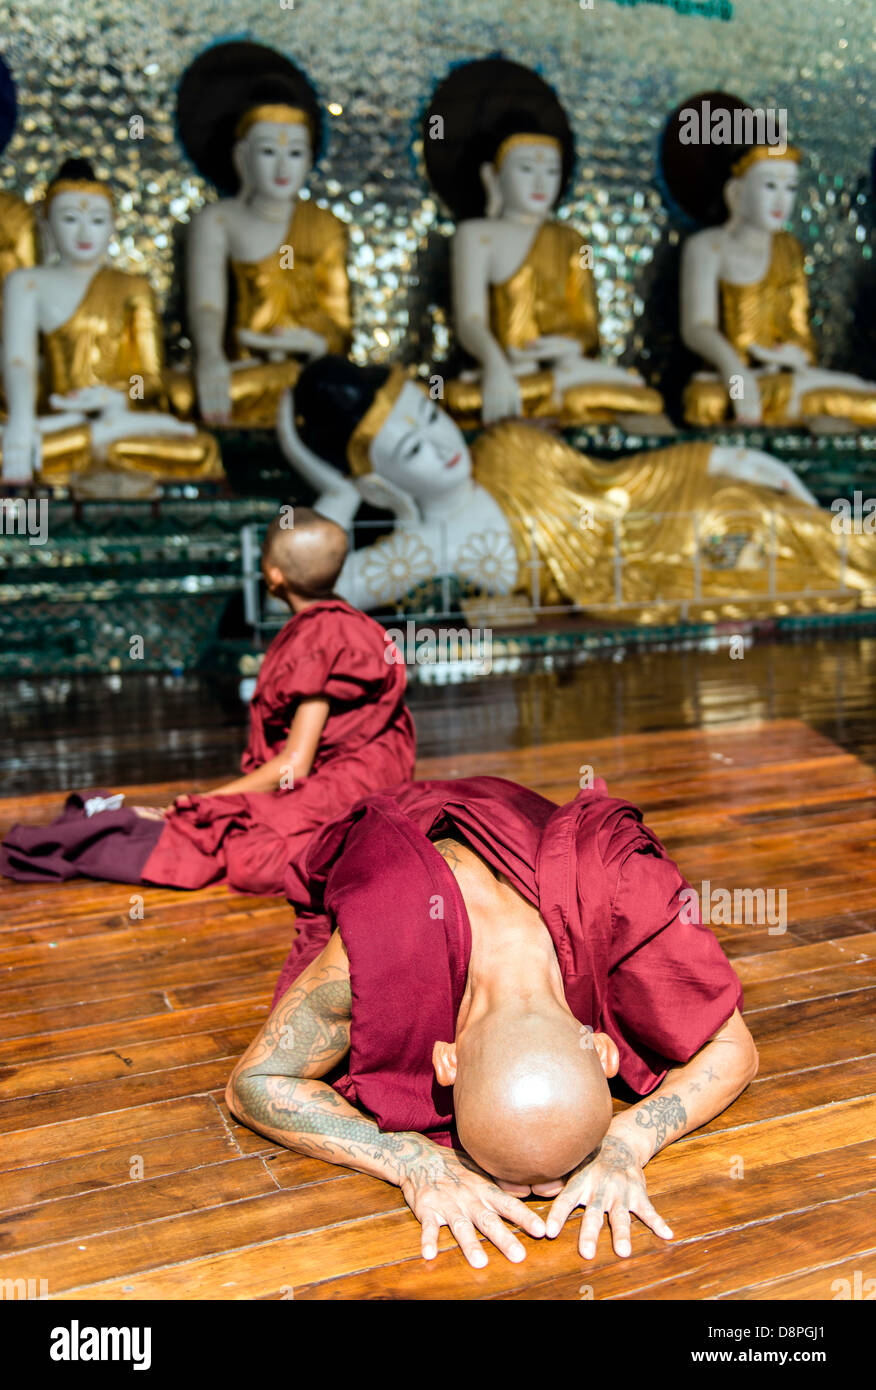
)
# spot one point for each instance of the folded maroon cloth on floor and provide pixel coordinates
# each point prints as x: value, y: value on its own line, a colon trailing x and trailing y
x: 112, y: 845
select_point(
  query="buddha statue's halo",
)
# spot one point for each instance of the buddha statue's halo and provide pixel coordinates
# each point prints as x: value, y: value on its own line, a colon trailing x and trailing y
x: 8, y: 105
x: 473, y: 115
x: 225, y: 90
x: 693, y: 173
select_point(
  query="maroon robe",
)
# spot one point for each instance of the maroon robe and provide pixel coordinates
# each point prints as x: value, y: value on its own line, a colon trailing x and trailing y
x: 255, y: 840
x: 605, y: 887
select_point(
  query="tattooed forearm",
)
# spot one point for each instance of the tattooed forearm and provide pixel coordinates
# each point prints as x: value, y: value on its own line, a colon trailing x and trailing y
x: 307, y: 1032
x: 311, y: 1118
x: 663, y: 1114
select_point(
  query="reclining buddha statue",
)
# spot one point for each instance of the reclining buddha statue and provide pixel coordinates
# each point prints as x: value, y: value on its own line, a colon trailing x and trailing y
x: 692, y: 526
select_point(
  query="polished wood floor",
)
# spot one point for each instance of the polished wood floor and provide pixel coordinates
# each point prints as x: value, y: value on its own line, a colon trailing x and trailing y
x: 122, y: 1175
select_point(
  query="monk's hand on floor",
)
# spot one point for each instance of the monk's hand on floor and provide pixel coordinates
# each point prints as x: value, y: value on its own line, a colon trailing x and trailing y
x: 444, y: 1188
x: 611, y: 1184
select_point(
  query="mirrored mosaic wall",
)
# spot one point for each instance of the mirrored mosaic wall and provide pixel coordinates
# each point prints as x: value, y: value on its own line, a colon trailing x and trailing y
x: 85, y: 68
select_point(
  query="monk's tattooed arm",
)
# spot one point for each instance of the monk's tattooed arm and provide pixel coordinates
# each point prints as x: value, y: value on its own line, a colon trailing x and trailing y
x: 275, y: 1088
x: 692, y: 1094
x: 665, y: 1115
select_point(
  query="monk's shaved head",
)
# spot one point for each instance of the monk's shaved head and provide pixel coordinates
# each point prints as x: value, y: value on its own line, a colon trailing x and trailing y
x: 530, y: 1097
x: 307, y: 549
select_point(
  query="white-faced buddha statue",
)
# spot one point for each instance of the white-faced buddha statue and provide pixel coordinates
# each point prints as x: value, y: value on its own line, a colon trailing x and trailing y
x: 744, y: 295
x: 499, y: 151
x: 266, y: 272
x: 83, y: 362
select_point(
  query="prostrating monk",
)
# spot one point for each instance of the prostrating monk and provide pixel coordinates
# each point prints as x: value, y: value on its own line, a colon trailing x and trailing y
x: 328, y: 725
x: 482, y: 988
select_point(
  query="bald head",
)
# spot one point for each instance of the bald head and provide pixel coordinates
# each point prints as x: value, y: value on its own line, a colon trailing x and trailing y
x: 530, y: 1098
x: 303, y: 553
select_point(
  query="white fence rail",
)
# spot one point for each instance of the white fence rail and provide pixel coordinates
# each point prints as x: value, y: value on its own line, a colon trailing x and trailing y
x: 708, y: 555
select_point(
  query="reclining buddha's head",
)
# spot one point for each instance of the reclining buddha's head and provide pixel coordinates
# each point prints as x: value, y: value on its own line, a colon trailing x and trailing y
x: 377, y: 419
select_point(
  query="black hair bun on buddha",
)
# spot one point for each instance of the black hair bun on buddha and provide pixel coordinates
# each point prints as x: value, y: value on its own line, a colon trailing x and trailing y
x: 692, y: 173
x: 331, y: 396
x: 79, y: 169
x: 224, y: 82
x: 472, y: 111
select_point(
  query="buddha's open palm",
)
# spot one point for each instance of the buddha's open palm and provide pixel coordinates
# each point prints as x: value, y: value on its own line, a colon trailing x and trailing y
x: 288, y: 340
x: 781, y: 355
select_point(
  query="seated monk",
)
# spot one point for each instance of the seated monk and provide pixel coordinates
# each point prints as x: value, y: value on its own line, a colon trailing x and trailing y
x: 328, y: 725
x: 524, y: 299
x: 480, y: 990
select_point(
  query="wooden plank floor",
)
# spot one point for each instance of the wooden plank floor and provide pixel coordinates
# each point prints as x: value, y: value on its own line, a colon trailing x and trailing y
x: 123, y: 1176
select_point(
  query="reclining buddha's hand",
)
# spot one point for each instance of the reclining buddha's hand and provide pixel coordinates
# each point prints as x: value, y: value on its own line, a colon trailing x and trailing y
x: 443, y: 1187
x: 611, y: 1184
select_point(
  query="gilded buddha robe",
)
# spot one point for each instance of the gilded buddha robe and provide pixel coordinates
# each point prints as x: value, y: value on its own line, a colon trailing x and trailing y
x: 18, y: 244
x: 767, y: 313
x: 309, y: 289
x: 552, y: 293
x: 664, y: 506
x: 18, y: 238
x: 113, y: 339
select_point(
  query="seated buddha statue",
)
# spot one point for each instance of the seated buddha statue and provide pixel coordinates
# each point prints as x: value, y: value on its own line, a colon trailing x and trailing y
x: 695, y: 523
x: 499, y: 151
x: 744, y: 295
x: 19, y: 245
x: 96, y: 415
x: 266, y: 272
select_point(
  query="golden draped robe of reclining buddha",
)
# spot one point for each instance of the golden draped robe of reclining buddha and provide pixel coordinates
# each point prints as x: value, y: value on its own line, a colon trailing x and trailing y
x: 698, y: 530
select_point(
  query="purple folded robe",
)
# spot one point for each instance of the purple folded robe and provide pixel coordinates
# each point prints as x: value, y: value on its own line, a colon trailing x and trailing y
x: 112, y: 845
